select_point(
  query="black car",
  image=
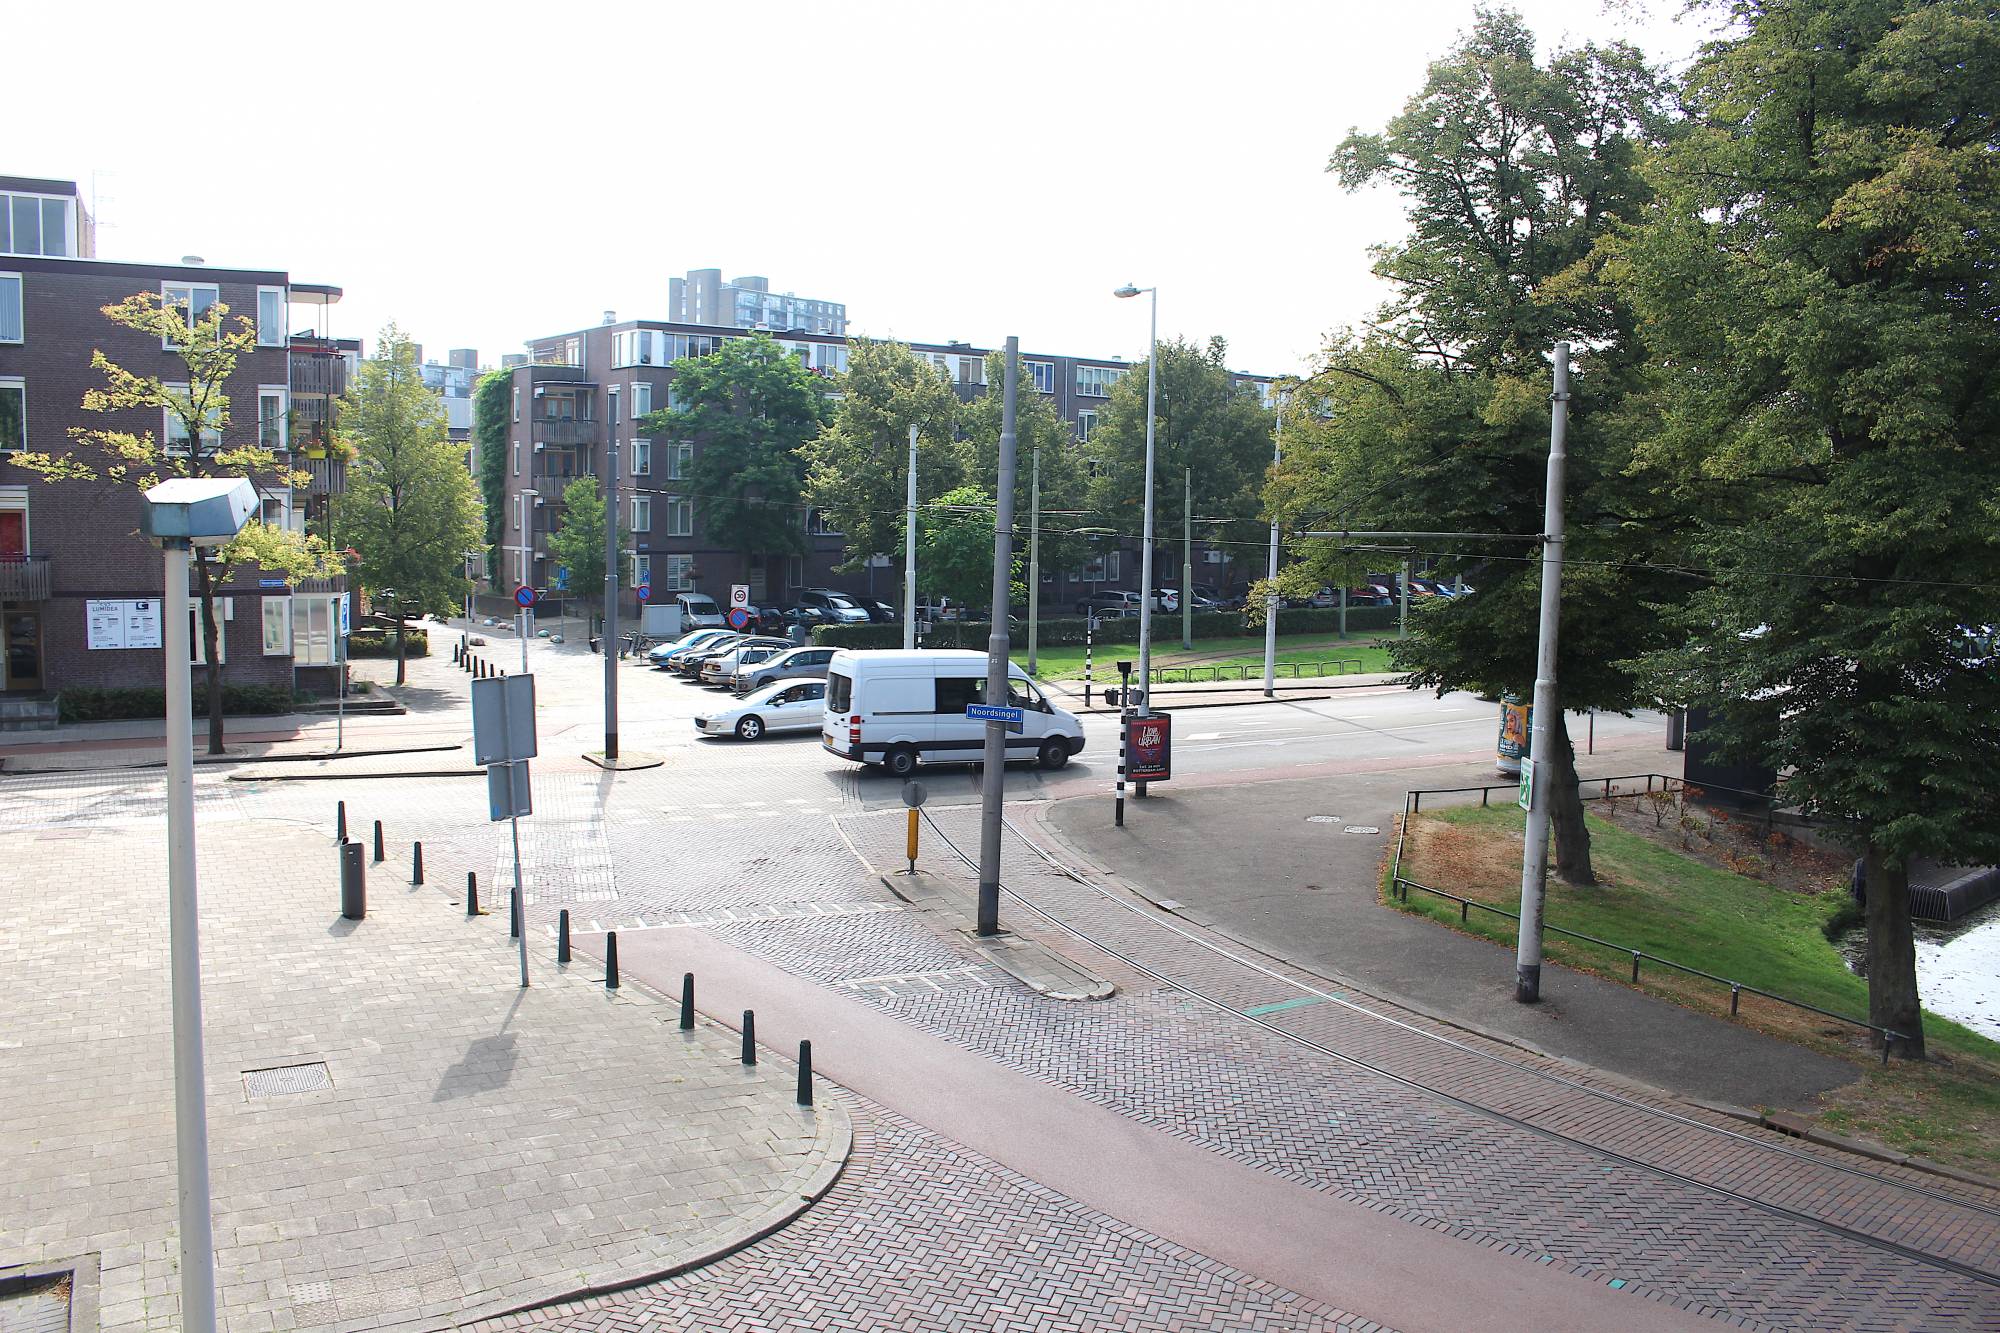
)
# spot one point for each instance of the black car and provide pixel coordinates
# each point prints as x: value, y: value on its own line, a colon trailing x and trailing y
x: 880, y: 613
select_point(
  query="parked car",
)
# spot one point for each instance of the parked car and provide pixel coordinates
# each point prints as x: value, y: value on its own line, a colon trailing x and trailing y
x: 666, y: 653
x: 881, y: 613
x: 698, y: 610
x: 1171, y: 601
x: 835, y: 607
x: 1108, y: 604
x: 797, y: 705
x: 792, y: 664
x: 896, y: 707
x: 1218, y: 599
x: 721, y: 668
x: 689, y: 662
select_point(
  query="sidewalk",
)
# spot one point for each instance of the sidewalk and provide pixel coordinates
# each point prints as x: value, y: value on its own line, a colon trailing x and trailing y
x: 1219, y: 694
x: 442, y: 1144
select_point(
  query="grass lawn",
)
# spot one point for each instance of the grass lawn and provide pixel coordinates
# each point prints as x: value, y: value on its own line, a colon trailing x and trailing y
x: 1659, y: 900
x: 1066, y: 662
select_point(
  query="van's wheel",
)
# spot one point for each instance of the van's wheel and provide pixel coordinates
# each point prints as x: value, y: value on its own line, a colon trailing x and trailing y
x: 1055, y: 754
x: 750, y: 728
x: 901, y: 761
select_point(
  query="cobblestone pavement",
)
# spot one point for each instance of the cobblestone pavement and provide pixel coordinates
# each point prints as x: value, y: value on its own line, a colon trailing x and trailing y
x: 924, y: 1235
x: 462, y: 1145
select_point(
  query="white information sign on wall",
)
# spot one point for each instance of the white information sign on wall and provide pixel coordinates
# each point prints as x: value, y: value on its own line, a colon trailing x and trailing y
x: 122, y: 624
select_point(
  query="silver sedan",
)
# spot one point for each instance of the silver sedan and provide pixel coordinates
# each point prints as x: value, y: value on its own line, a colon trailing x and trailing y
x: 789, y: 705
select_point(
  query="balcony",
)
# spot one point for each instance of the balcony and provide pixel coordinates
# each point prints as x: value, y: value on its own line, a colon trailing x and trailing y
x: 550, y: 477
x: 318, y: 373
x: 329, y: 475
x: 26, y: 578
x: 566, y: 432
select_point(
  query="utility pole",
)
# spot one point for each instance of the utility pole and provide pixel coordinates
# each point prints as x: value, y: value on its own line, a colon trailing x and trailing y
x: 1187, y: 562
x: 610, y: 640
x: 1403, y: 593
x: 993, y: 782
x: 1535, y: 849
x: 1034, y: 554
x: 1271, y: 596
x: 910, y: 547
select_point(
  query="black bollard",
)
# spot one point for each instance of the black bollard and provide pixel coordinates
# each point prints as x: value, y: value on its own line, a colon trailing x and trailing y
x: 471, y: 893
x: 514, y: 915
x: 611, y: 960
x: 378, y: 841
x: 340, y: 821
x: 416, y: 863
x: 562, y: 936
x: 687, y: 1002
x: 805, y: 1073
x: 749, y: 1036
x: 353, y: 882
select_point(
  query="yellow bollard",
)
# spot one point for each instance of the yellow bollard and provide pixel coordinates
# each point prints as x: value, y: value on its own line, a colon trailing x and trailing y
x: 910, y: 842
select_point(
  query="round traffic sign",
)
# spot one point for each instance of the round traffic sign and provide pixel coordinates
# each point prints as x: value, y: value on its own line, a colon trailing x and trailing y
x: 643, y: 591
x: 524, y: 596
x: 913, y: 794
x: 737, y: 617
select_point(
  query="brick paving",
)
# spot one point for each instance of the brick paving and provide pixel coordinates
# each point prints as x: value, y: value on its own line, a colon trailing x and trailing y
x: 476, y: 1147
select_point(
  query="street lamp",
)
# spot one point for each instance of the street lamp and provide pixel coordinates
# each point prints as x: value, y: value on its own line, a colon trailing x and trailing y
x: 182, y: 514
x: 1146, y: 551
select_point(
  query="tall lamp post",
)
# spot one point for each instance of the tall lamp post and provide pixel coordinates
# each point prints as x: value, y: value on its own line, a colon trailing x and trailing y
x: 1146, y: 552
x: 182, y: 514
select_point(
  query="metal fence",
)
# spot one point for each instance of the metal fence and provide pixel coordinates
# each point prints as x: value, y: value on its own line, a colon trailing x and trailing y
x: 1188, y: 675
x: 1400, y: 886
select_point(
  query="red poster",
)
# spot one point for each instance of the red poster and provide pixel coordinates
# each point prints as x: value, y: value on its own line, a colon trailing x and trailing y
x: 1149, y: 748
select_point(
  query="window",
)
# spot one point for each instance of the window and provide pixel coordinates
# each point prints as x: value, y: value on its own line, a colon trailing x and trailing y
x: 225, y: 611
x: 1102, y: 569
x: 675, y: 403
x: 193, y: 299
x: 13, y: 413
x: 642, y: 513
x: 817, y: 525
x: 315, y: 625
x: 572, y: 351
x: 1044, y: 373
x: 175, y: 433
x: 642, y: 571
x: 971, y: 370
x: 1086, y: 422
x: 955, y: 692
x: 680, y: 516
x: 1096, y: 381
x: 277, y: 626
x: 35, y: 224
x: 271, y: 418
x: 517, y: 458
x: 680, y: 461
x: 642, y: 458
x: 642, y: 399
x: 517, y: 408
x: 680, y: 573
x: 10, y: 308
x: 270, y: 316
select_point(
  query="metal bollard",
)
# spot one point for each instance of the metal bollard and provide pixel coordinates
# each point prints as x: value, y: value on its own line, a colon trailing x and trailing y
x: 416, y: 863
x: 353, y: 882
x: 611, y: 961
x: 749, y: 1036
x: 471, y: 893
x: 805, y: 1073
x: 562, y: 936
x: 378, y: 841
x: 687, y: 1002
x: 340, y: 821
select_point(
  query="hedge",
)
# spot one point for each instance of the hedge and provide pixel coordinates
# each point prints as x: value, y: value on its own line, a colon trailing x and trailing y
x: 1118, y: 629
x: 91, y: 703
x: 372, y: 643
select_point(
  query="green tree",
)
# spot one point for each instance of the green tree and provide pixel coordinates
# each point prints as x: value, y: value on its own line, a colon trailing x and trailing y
x: 578, y: 545
x: 1818, y: 281
x: 492, y: 411
x: 955, y: 549
x: 1436, y: 419
x: 748, y: 406
x: 1065, y: 474
x: 204, y: 442
x: 411, y: 509
x: 857, y: 466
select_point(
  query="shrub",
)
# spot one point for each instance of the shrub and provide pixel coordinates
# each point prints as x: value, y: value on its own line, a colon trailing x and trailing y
x: 382, y: 643
x: 1055, y: 633
x: 117, y: 703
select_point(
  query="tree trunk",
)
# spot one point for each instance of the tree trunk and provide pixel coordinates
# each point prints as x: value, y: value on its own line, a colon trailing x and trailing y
x: 210, y: 645
x: 402, y: 639
x: 1566, y: 811
x: 1892, y: 951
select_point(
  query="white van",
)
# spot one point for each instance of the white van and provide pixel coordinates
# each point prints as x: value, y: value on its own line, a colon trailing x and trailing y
x: 698, y: 610
x: 894, y: 707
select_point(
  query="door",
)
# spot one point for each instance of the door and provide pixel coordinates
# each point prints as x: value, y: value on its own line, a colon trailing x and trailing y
x: 13, y: 534
x: 23, y: 651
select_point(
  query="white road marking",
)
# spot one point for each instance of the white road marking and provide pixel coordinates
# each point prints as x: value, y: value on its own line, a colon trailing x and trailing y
x: 1208, y: 735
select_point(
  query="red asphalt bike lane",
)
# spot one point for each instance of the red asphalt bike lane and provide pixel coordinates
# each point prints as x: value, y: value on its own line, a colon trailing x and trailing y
x: 1317, y: 1245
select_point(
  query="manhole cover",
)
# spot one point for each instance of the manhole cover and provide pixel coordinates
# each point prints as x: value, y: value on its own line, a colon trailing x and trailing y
x: 37, y: 1305
x: 286, y: 1080
x: 1361, y: 828
x: 1322, y: 819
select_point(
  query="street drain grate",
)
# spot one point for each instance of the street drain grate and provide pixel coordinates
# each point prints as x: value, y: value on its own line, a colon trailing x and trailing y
x: 287, y: 1080
x: 35, y: 1305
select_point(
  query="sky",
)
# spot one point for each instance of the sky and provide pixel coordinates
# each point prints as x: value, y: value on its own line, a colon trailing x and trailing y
x: 485, y: 174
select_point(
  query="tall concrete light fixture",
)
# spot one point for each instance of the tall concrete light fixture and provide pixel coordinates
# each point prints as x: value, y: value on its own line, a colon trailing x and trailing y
x: 182, y: 514
x: 1146, y: 552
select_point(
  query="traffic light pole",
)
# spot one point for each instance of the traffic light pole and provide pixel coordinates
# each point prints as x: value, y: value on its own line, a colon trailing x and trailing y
x: 610, y: 641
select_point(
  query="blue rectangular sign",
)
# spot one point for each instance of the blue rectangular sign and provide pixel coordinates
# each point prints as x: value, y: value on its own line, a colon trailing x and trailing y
x: 994, y: 713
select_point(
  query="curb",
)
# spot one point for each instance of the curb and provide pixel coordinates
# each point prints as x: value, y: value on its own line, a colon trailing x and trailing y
x: 251, y: 775
x: 224, y: 760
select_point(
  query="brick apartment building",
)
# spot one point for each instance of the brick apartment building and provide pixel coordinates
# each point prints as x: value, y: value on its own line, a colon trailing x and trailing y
x: 79, y: 587
x: 561, y: 398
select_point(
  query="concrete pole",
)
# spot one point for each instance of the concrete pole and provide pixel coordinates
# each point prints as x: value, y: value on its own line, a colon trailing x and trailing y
x: 610, y: 639
x: 993, y: 781
x: 1535, y: 850
x: 1146, y: 551
x: 910, y: 549
x: 1403, y: 593
x: 521, y: 622
x: 1034, y: 555
x: 190, y: 1084
x: 1271, y: 598
x: 1187, y: 561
